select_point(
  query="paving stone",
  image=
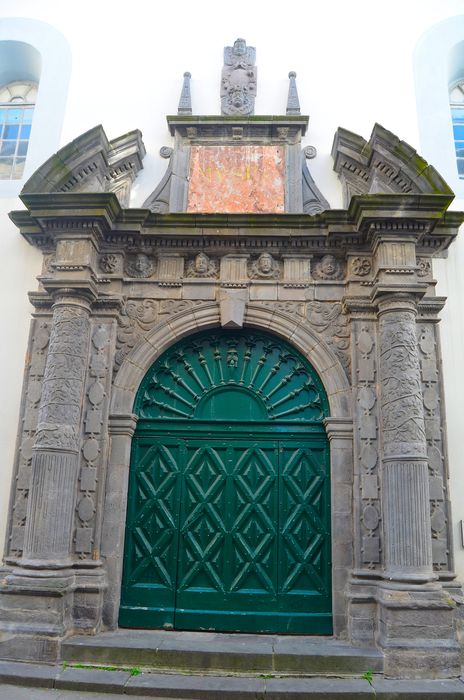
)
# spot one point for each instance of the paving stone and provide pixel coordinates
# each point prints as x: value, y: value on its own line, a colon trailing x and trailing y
x: 413, y: 690
x: 40, y: 675
x: 202, y: 687
x: 92, y: 679
x: 317, y: 689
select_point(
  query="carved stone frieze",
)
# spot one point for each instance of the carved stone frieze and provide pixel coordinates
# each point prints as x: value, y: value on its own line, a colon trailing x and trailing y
x: 436, y: 452
x: 329, y: 320
x: 40, y: 334
x: 94, y: 444
x: 139, y: 316
x: 136, y: 318
x: 366, y: 448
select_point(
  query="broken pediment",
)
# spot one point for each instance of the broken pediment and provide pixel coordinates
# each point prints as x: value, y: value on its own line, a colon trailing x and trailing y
x: 382, y: 165
x: 91, y: 163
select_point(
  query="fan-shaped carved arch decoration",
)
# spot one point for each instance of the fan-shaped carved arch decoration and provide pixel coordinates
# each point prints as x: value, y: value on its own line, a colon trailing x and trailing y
x: 236, y: 376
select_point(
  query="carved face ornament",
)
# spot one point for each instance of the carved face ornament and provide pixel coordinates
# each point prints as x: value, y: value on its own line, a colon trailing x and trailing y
x: 265, y: 263
x: 201, y: 264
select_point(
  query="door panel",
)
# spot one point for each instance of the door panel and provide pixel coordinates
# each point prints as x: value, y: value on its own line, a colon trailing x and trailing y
x: 304, y: 530
x: 152, y: 532
x: 229, y: 535
x: 228, y: 532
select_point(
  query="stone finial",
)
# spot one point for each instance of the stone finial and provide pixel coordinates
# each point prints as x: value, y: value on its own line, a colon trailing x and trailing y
x: 293, y: 103
x: 185, y: 102
x: 238, y: 79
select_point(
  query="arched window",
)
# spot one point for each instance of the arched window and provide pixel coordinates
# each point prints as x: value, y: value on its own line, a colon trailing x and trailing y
x: 439, y: 77
x: 457, y: 116
x: 35, y: 65
x: 17, y: 100
x: 20, y: 69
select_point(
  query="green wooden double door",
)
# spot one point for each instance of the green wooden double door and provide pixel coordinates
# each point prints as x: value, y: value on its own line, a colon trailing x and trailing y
x: 228, y: 522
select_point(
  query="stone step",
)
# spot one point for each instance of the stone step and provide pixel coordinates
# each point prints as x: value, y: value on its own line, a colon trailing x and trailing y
x: 201, y: 652
x: 24, y: 681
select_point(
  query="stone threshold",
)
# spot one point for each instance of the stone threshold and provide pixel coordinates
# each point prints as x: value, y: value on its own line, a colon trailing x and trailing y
x: 211, y: 652
x: 33, y: 677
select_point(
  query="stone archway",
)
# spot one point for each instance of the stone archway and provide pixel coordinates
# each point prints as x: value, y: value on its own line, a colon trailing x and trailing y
x: 123, y: 422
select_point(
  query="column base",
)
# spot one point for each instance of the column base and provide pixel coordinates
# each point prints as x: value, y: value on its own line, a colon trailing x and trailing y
x: 416, y: 631
x: 38, y: 609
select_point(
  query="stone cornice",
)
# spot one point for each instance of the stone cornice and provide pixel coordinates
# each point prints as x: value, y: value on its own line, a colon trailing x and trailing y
x: 422, y: 216
x: 267, y: 124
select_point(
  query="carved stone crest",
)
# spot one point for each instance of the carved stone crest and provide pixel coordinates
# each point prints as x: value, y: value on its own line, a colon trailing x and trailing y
x: 238, y: 81
x: 139, y: 265
x: 201, y: 266
x: 265, y: 267
x: 328, y: 268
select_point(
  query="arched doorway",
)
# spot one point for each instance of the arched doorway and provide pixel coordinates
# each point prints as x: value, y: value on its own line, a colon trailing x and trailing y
x: 228, y: 518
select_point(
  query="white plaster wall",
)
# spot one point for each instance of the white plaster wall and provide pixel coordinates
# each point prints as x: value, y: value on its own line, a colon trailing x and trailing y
x: 354, y: 64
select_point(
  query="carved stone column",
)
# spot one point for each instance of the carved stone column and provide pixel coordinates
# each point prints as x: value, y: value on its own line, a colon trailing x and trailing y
x: 405, y: 484
x: 50, y: 511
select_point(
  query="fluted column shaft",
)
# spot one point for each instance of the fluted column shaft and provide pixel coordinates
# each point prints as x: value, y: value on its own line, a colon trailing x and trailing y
x: 405, y: 485
x: 55, y: 459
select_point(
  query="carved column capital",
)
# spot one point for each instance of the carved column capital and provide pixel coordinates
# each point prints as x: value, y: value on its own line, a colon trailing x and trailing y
x: 396, y: 302
x: 339, y: 428
x: 122, y: 424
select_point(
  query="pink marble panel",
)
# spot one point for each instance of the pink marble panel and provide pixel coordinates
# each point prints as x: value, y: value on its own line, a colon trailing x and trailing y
x: 242, y: 178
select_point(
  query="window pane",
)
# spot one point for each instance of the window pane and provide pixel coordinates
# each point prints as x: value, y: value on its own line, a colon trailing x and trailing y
x: 7, y: 148
x: 18, y: 168
x: 6, y: 166
x: 27, y: 116
x: 460, y: 162
x: 22, y: 148
x: 11, y: 132
x: 13, y: 116
x: 458, y: 132
x: 25, y: 131
x: 457, y: 114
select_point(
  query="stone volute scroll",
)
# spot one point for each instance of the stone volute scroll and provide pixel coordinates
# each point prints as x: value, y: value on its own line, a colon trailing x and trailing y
x: 238, y: 80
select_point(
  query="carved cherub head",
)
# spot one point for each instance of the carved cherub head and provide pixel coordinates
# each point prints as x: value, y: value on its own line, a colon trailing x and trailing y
x: 201, y: 264
x: 329, y: 268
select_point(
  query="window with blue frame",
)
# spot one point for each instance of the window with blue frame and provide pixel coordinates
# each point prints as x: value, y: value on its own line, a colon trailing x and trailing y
x: 457, y: 116
x: 17, y: 100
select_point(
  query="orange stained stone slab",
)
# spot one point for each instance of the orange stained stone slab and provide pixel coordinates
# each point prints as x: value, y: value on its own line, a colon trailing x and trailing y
x: 237, y: 179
